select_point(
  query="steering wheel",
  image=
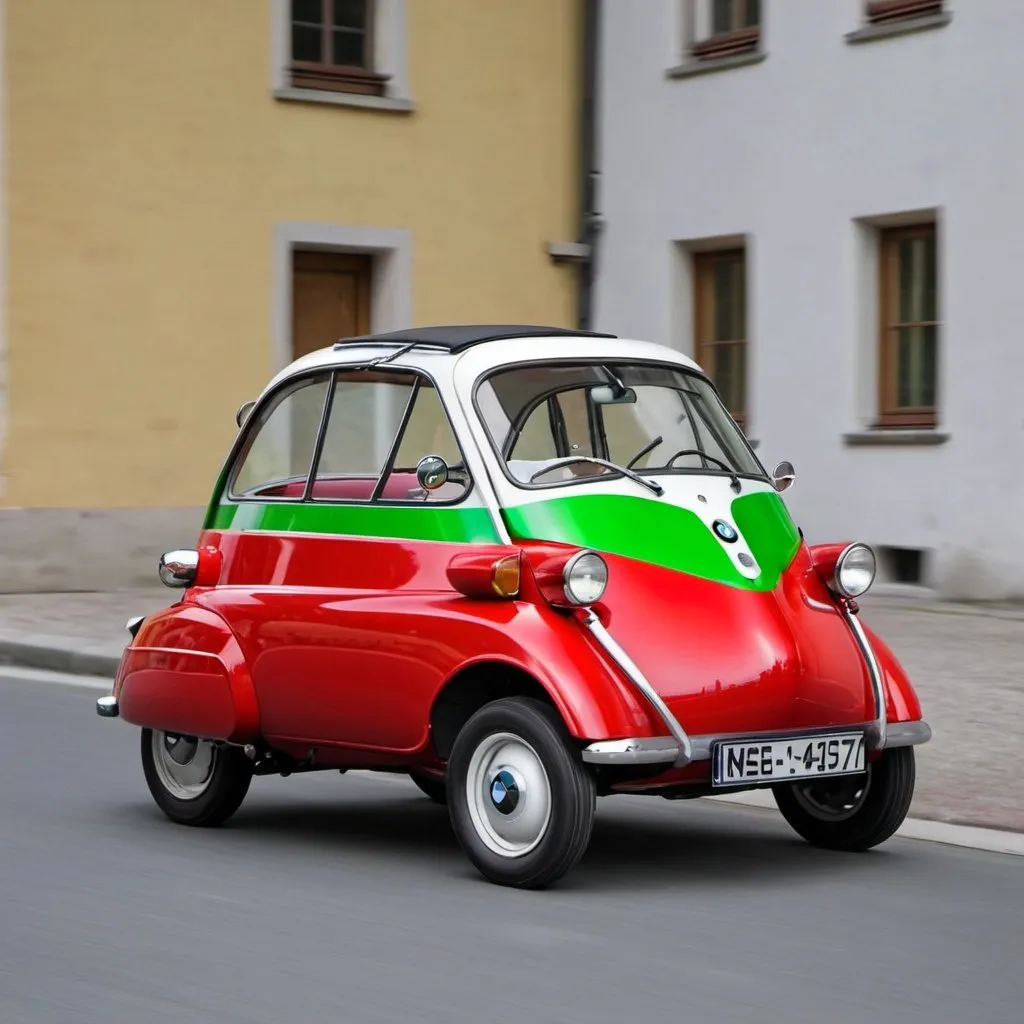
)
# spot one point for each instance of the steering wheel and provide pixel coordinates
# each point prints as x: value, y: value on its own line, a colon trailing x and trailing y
x: 703, y: 455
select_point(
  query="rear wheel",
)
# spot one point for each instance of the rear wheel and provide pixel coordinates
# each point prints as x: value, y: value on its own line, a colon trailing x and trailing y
x: 194, y: 781
x: 521, y: 801
x: 853, y: 812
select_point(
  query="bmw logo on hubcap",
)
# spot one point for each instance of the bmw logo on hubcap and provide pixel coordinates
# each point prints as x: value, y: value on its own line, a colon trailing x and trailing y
x: 505, y: 792
x: 724, y: 530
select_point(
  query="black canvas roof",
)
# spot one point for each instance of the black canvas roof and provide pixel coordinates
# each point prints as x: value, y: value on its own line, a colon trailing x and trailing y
x: 457, y: 337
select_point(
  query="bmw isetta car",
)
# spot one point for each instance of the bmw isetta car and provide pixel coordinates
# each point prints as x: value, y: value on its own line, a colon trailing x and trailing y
x: 527, y: 567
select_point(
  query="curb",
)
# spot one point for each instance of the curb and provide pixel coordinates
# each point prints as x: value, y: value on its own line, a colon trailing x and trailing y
x: 57, y: 654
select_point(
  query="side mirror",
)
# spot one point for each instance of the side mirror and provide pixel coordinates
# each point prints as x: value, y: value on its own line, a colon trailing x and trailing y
x: 783, y: 476
x: 431, y: 472
x: 178, y: 568
x: 243, y: 411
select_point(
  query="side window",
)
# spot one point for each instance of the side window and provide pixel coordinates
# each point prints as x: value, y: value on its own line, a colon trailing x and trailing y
x: 428, y: 432
x: 276, y: 461
x: 367, y: 411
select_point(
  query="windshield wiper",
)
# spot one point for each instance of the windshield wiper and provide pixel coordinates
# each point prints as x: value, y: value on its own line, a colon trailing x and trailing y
x: 568, y: 461
x: 643, y: 451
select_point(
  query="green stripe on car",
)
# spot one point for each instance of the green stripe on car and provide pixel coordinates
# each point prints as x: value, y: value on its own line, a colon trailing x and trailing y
x: 665, y: 534
x: 454, y: 524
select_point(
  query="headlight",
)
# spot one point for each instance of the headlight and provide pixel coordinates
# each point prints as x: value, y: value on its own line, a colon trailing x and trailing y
x: 585, y: 576
x: 855, y: 571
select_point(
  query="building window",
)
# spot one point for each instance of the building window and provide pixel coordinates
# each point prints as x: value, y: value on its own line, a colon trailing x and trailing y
x: 909, y: 327
x: 720, y: 328
x: 730, y: 28
x: 881, y: 12
x: 332, y: 46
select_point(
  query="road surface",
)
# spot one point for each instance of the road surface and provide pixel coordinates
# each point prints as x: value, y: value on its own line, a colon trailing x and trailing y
x: 346, y: 898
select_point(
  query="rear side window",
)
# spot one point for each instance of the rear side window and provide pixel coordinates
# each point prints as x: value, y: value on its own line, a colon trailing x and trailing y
x: 276, y: 461
x: 358, y: 433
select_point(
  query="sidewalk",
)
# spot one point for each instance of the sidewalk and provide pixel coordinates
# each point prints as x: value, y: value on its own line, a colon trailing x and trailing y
x: 966, y: 662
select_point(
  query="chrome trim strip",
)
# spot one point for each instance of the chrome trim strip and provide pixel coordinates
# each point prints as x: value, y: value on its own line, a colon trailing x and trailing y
x: 907, y: 734
x: 636, y: 677
x: 106, y: 707
x: 874, y: 671
x: 632, y: 751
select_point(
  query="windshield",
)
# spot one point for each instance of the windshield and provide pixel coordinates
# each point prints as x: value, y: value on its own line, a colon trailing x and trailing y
x: 540, y: 414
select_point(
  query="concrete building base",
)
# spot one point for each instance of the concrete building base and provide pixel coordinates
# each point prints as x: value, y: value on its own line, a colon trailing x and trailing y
x: 49, y: 550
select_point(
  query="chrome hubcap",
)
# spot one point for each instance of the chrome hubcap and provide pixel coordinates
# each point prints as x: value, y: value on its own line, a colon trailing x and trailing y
x: 508, y: 794
x: 184, y: 764
x: 833, y: 799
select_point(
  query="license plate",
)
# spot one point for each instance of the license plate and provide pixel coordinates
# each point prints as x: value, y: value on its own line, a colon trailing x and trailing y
x: 740, y: 762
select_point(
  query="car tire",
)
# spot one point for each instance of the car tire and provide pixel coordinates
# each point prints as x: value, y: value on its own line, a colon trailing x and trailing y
x: 436, y: 789
x: 520, y: 799
x: 202, y: 790
x: 835, y: 816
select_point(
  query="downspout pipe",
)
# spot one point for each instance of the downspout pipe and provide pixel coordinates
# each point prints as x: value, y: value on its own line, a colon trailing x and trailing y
x: 590, y: 220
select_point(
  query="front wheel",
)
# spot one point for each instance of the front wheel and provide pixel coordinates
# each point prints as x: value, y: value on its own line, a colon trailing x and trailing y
x: 521, y: 802
x: 853, y: 812
x: 194, y: 781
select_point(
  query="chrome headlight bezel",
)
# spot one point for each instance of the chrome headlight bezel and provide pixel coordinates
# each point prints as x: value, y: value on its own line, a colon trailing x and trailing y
x: 577, y: 566
x: 845, y: 565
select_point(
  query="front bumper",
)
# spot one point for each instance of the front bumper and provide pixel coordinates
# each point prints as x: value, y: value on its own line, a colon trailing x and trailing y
x: 664, y: 749
x: 681, y: 749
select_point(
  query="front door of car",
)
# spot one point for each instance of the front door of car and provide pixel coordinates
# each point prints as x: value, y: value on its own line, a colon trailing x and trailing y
x: 330, y: 584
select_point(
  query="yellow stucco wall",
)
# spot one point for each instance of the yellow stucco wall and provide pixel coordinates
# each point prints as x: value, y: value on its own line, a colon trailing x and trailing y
x: 147, y: 164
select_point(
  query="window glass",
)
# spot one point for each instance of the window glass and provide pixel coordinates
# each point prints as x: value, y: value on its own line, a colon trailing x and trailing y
x: 680, y: 408
x: 429, y: 432
x: 573, y: 410
x: 277, y: 460
x: 662, y: 412
x: 536, y: 440
x: 366, y: 412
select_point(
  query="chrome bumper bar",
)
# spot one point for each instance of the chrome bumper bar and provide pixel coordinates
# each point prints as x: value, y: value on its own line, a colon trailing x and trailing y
x: 681, y: 752
x: 879, y: 726
x: 664, y: 750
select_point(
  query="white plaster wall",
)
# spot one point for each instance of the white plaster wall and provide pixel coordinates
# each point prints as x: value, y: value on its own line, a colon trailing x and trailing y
x: 790, y: 153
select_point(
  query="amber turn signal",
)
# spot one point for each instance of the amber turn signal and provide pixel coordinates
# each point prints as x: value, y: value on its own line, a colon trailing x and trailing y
x: 486, y: 573
x: 505, y: 576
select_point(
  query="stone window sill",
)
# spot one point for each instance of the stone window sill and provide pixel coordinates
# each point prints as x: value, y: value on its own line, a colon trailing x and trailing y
x: 692, y: 68
x: 894, y: 438
x: 345, y: 99
x: 891, y: 29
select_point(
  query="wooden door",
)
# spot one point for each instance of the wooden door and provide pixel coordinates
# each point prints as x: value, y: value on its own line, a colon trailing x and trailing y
x: 330, y: 299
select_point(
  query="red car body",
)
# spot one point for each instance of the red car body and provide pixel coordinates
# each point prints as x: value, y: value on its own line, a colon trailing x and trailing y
x: 346, y: 646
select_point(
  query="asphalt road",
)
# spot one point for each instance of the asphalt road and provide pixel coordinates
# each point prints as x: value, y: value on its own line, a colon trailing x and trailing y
x: 346, y: 898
